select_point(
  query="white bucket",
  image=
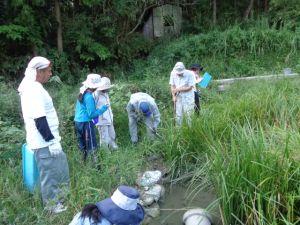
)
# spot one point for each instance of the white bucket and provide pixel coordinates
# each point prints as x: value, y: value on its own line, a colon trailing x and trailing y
x: 197, y: 217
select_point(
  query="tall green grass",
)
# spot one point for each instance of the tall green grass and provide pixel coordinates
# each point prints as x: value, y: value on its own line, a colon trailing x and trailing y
x: 88, y: 185
x: 245, y: 144
x: 257, y: 184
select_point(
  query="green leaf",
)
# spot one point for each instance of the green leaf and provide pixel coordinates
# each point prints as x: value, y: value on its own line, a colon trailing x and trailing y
x: 13, y: 32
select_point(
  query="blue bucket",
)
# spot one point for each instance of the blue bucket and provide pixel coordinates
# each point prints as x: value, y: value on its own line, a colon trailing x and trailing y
x: 205, y: 80
x: 30, y: 170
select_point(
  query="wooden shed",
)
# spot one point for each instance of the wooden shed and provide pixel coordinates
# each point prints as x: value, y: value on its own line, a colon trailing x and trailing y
x: 164, y: 20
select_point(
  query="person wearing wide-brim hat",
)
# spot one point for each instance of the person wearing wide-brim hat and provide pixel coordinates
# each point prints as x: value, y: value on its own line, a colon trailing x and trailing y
x: 85, y: 112
x: 122, y: 208
x: 104, y: 122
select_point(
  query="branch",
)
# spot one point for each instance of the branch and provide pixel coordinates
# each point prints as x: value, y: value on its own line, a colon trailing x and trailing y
x: 156, y: 5
x: 248, y: 10
x: 141, y: 18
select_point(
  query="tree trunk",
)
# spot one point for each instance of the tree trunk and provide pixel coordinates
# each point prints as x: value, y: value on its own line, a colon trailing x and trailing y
x: 266, y: 5
x: 3, y: 7
x: 59, y: 27
x: 248, y: 10
x: 235, y: 5
x: 214, y: 12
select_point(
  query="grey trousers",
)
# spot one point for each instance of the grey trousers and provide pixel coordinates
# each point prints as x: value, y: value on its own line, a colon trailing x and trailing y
x: 107, y: 135
x: 54, y: 175
x: 133, y: 123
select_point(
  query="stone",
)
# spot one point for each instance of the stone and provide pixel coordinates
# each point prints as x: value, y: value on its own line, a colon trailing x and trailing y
x: 155, y: 191
x: 146, y: 200
x: 149, y: 178
x: 153, y: 211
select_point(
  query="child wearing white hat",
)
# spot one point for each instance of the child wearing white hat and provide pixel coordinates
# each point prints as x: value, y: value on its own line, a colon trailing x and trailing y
x: 104, y: 123
x: 85, y: 111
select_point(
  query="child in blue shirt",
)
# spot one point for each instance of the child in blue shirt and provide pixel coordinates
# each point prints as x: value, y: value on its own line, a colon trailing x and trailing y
x: 85, y: 112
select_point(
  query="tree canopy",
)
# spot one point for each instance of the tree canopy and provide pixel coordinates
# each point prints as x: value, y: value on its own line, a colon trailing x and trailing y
x: 93, y: 33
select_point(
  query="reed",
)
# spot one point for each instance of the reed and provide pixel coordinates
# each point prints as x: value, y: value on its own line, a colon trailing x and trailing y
x: 246, y: 146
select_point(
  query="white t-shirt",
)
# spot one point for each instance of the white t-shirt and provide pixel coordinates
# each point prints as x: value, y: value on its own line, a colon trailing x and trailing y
x: 187, y: 79
x: 36, y: 102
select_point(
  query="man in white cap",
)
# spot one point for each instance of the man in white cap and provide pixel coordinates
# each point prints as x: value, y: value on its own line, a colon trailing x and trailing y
x: 104, y: 122
x: 42, y: 135
x: 142, y: 106
x: 182, y: 82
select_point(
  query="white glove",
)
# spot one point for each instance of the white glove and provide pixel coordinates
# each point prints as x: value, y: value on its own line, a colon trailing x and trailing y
x: 55, y: 148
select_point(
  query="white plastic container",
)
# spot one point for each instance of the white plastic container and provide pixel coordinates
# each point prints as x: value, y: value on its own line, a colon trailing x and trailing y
x: 196, y: 217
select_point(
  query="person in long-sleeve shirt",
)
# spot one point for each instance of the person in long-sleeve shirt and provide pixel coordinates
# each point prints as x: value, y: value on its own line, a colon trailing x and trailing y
x: 197, y: 69
x: 85, y: 112
x: 182, y: 82
x: 105, y: 124
x: 42, y: 134
x: 142, y: 107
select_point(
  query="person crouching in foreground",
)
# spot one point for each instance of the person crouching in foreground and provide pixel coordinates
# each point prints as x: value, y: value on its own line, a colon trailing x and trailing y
x: 122, y: 208
x: 85, y: 112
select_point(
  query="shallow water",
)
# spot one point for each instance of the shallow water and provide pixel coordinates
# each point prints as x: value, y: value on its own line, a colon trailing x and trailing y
x: 177, y: 201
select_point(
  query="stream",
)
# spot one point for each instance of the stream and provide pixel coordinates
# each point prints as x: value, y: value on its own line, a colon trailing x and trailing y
x: 176, y: 203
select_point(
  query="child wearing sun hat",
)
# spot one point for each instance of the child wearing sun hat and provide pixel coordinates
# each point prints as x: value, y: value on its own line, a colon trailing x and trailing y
x: 104, y: 122
x: 85, y: 112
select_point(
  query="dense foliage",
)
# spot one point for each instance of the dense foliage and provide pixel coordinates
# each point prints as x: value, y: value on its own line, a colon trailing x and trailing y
x: 106, y: 34
x: 244, y: 145
x: 236, y: 51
